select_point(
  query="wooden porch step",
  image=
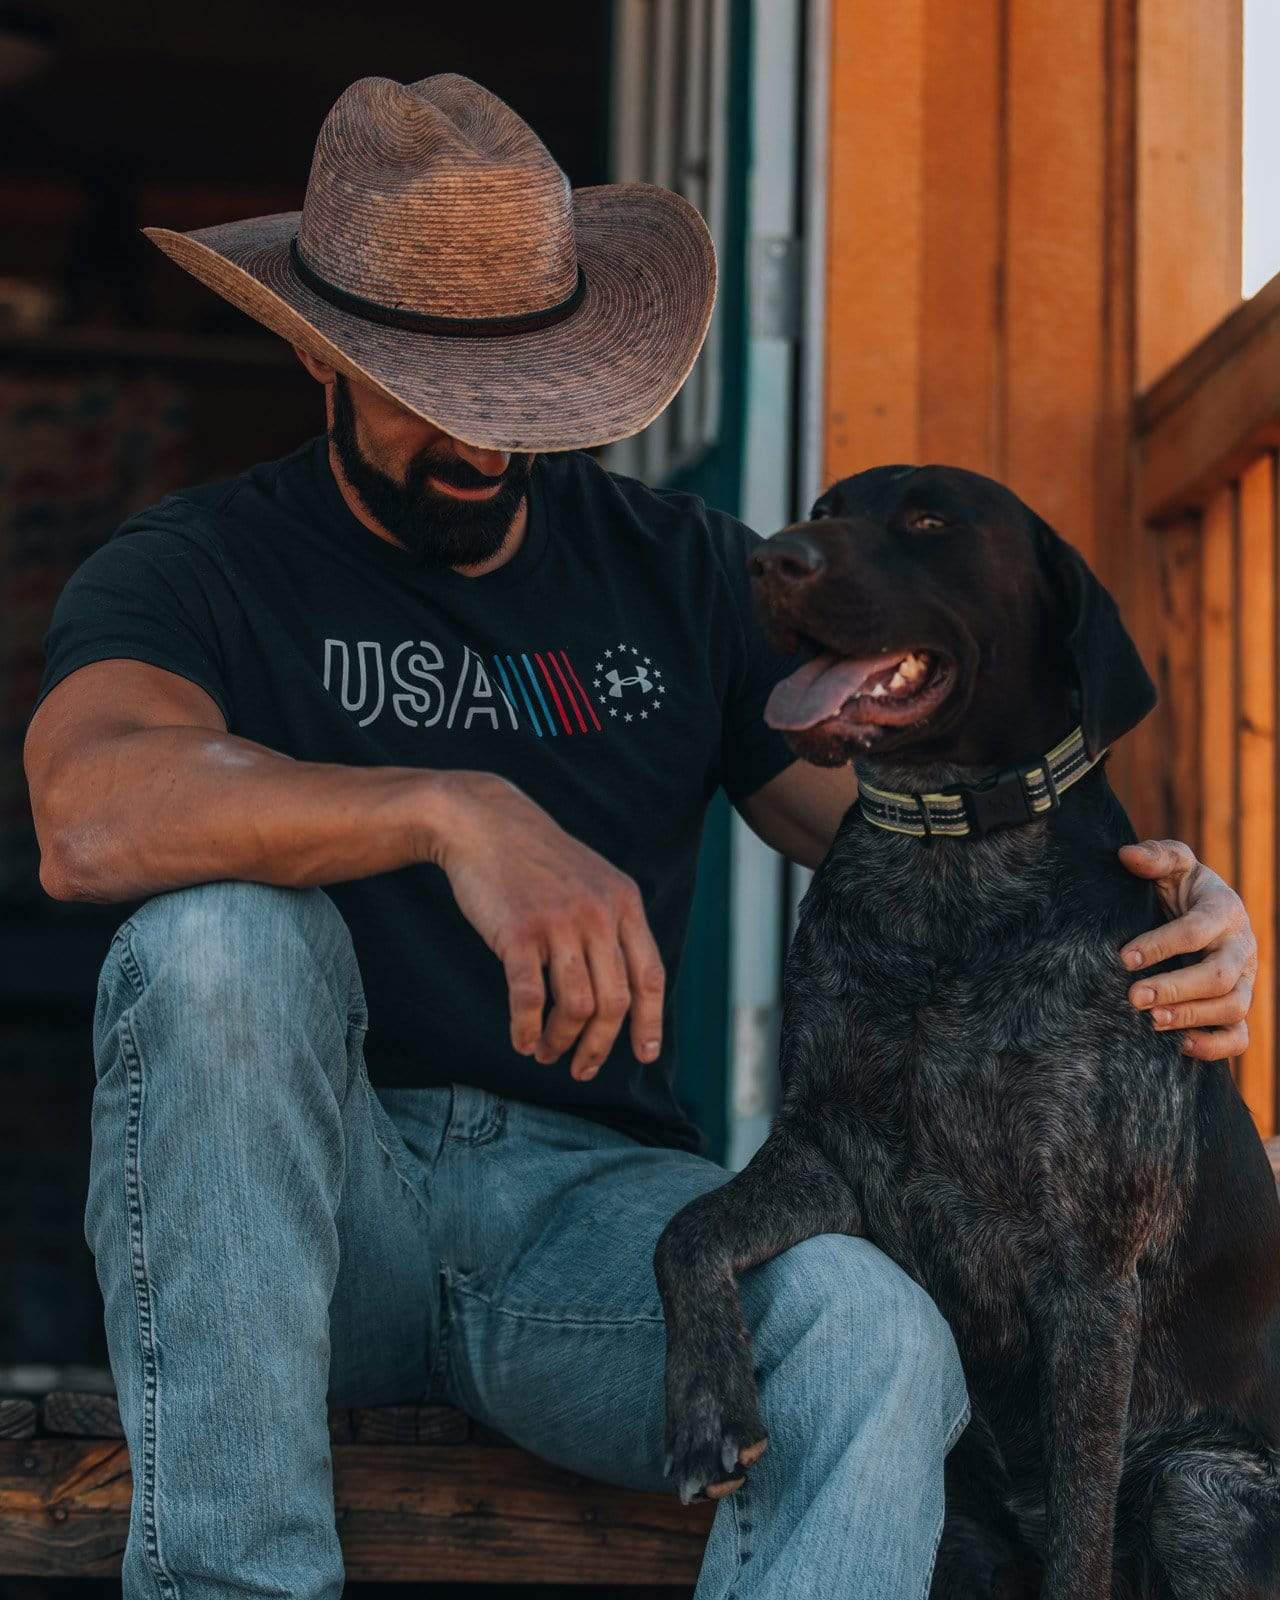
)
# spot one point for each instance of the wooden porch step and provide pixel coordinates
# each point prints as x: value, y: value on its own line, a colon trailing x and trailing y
x: 421, y: 1493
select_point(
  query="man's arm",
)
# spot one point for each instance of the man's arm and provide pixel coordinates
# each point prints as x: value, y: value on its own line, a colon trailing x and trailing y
x: 799, y: 811
x: 137, y: 787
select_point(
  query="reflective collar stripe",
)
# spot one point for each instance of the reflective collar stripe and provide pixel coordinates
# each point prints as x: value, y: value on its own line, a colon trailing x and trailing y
x: 945, y: 813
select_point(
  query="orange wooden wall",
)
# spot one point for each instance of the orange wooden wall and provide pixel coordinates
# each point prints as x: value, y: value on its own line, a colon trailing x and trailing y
x: 1034, y: 211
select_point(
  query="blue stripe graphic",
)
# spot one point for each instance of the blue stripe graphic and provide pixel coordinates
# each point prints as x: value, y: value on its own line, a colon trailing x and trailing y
x: 506, y: 683
x: 528, y: 667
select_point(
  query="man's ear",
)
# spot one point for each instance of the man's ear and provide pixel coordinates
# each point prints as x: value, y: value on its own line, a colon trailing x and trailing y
x: 1113, y: 688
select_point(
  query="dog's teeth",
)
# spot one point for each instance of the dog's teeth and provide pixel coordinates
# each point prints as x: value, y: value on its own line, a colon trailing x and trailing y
x: 896, y: 682
x: 911, y: 667
x: 878, y: 691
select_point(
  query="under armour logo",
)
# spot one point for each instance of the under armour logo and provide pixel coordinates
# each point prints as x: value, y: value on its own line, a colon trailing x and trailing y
x: 609, y: 680
x: 618, y: 683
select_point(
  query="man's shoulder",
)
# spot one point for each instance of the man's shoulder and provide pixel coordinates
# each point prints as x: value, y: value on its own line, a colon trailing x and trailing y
x: 205, y: 512
x: 662, y: 512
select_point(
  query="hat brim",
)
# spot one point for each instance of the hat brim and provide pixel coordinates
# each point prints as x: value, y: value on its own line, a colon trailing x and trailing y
x: 603, y: 373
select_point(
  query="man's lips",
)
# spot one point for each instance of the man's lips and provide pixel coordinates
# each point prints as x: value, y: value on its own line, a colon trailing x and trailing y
x: 486, y: 493
x: 890, y: 690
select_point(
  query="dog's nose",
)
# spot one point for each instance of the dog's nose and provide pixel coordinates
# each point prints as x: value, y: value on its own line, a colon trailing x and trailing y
x: 789, y: 557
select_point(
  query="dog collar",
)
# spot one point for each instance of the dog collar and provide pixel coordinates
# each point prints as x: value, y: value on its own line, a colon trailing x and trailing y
x: 1016, y: 795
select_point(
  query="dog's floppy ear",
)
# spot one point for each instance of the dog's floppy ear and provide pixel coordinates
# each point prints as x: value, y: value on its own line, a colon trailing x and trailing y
x: 1114, y: 691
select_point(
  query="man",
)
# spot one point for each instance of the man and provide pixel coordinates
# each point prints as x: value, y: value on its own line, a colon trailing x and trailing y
x: 440, y: 663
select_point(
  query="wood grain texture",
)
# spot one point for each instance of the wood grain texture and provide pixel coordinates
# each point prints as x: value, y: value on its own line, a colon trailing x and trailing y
x: 1216, y: 411
x: 1190, y: 86
x: 1256, y: 591
x: 1216, y: 636
x: 874, y: 234
x: 404, y: 1513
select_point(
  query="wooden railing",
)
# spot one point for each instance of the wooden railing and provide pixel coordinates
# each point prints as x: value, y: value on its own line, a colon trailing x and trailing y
x: 1208, y: 437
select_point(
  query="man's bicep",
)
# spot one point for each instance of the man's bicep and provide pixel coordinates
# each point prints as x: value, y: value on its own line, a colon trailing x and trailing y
x: 799, y: 811
x: 110, y: 698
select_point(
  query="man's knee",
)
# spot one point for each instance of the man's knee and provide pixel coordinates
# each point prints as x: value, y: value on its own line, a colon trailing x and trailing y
x: 235, y: 955
x: 836, y: 1317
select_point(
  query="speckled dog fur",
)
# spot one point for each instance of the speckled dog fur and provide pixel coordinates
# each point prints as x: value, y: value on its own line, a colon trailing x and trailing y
x: 965, y: 1083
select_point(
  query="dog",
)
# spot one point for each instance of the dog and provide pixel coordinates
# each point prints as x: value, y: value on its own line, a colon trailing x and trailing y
x: 965, y: 1084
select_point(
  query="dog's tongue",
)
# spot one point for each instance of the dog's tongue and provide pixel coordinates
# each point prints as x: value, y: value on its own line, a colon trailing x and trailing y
x: 819, y: 688
x: 815, y: 691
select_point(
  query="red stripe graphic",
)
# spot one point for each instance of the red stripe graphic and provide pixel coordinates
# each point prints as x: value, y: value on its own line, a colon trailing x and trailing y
x: 559, y: 674
x: 586, y: 698
x: 564, y: 721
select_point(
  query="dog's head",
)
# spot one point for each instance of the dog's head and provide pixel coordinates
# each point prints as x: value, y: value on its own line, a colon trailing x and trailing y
x: 948, y: 623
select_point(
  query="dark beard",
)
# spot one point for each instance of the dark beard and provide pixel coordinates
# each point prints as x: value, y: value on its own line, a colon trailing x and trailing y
x: 439, y: 530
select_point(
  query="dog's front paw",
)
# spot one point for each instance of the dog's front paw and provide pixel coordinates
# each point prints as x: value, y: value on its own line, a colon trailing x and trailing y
x: 713, y: 1436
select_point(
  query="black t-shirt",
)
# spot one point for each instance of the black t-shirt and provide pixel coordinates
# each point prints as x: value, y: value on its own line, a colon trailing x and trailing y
x: 613, y: 670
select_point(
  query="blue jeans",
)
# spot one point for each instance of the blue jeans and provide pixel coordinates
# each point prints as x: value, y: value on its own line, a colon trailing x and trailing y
x: 272, y: 1235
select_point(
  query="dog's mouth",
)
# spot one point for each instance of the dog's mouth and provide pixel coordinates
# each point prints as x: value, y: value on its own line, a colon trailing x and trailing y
x: 835, y: 694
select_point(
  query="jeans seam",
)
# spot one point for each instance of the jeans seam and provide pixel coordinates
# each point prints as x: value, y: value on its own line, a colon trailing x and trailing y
x: 493, y: 1126
x: 957, y: 1428
x: 375, y: 1106
x: 142, y: 1299
x: 455, y: 1281
x: 743, y: 1528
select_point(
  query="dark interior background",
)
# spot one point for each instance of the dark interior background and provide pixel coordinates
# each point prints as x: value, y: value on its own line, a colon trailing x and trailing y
x: 121, y: 378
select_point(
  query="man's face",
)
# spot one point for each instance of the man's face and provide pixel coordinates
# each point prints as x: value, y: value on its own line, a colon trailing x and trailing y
x: 404, y: 482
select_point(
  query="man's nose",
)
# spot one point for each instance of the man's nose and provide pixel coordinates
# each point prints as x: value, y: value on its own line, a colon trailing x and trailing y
x: 492, y: 463
x: 788, y: 558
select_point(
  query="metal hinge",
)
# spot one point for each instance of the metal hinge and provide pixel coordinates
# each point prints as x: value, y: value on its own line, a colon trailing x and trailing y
x: 777, y: 286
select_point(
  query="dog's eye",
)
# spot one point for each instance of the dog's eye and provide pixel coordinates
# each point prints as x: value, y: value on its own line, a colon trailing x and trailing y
x: 923, y: 520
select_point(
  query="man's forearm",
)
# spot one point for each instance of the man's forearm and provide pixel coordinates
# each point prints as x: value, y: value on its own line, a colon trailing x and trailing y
x: 162, y: 808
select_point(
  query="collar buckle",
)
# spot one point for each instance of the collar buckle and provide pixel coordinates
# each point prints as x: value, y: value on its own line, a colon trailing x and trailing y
x: 1000, y: 802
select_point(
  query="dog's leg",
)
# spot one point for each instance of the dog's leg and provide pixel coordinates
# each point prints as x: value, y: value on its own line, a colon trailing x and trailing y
x: 1086, y: 1331
x: 787, y: 1193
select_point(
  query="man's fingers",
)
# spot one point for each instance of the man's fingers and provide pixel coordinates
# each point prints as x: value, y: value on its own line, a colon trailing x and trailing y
x: 1219, y: 1044
x: 1225, y: 1011
x: 613, y: 996
x: 1185, y: 935
x: 1158, y: 858
x: 527, y: 996
x: 572, y: 995
x: 648, y: 984
x: 1219, y: 973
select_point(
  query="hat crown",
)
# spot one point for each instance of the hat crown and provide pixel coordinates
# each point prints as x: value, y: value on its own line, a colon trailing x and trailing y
x: 435, y: 197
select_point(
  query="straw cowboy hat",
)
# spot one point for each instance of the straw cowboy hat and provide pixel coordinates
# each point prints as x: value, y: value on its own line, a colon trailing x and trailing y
x: 441, y: 256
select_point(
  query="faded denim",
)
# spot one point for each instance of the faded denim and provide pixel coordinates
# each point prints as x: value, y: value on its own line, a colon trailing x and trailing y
x: 272, y: 1235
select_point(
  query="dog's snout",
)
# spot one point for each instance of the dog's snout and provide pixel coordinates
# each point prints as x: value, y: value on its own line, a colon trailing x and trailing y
x: 790, y: 558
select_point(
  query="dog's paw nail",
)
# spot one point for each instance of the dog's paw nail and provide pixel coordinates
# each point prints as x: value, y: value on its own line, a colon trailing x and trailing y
x: 728, y: 1455
x: 668, y: 1462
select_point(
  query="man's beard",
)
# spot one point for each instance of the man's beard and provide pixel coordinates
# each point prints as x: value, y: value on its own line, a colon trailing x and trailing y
x: 436, y: 527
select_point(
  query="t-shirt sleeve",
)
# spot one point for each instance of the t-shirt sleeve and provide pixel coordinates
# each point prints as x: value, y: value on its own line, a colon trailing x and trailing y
x: 751, y: 751
x: 149, y: 595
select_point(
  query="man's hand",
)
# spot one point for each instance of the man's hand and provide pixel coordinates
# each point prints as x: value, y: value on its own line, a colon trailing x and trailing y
x: 1211, y: 998
x: 540, y: 900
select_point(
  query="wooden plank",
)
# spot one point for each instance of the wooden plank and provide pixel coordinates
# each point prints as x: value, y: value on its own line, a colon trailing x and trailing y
x: 874, y: 235
x: 1256, y: 589
x: 404, y: 1513
x: 963, y: 190
x: 17, y: 1419
x: 1178, y: 680
x: 1056, y: 330
x: 1190, y: 93
x: 79, y: 1415
x: 1217, y: 839
x: 1218, y: 409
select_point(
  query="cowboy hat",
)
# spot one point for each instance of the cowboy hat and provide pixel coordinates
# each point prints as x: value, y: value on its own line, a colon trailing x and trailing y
x: 441, y: 257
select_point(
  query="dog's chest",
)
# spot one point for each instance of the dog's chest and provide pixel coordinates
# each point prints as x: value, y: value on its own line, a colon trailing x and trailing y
x: 990, y: 1091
